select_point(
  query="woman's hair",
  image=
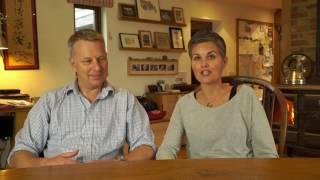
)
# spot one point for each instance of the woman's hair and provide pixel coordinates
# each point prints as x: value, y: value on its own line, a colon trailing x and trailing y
x: 207, y: 36
x: 84, y: 34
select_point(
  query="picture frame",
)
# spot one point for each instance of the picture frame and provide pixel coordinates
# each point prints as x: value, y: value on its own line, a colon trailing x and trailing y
x: 254, y: 49
x: 20, y: 31
x: 128, y: 10
x: 141, y: 67
x: 176, y: 36
x: 161, y: 40
x: 166, y: 16
x: 129, y: 40
x: 148, y: 9
x: 178, y: 15
x: 145, y: 38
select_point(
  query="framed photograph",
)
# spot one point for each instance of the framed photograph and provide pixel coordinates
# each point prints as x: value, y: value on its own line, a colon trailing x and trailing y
x: 148, y: 9
x: 161, y: 40
x: 129, y: 40
x: 176, y: 36
x: 166, y: 16
x: 128, y: 10
x: 145, y: 39
x: 178, y: 15
x: 152, y: 67
x: 20, y: 30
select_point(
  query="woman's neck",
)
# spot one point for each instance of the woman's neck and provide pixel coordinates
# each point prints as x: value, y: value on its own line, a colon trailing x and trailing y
x: 212, y: 95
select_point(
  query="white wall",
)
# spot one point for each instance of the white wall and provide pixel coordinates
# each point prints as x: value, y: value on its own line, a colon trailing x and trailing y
x: 55, y: 24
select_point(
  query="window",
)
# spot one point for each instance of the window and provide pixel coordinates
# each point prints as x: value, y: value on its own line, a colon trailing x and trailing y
x: 87, y: 17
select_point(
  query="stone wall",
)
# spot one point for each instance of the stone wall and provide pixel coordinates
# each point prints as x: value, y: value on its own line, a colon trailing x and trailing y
x: 299, y: 30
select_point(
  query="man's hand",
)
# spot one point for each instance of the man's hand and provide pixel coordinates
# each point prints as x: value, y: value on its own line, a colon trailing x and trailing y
x: 23, y: 159
x: 143, y: 152
x: 61, y: 159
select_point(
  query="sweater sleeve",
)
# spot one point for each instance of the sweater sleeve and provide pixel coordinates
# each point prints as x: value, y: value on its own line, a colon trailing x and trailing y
x: 262, y: 141
x: 172, y: 140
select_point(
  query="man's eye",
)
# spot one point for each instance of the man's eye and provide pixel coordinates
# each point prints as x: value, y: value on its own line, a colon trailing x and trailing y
x: 87, y: 61
x: 102, y: 58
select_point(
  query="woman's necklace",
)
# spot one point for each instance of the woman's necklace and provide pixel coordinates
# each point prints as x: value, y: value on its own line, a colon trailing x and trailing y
x: 209, y: 104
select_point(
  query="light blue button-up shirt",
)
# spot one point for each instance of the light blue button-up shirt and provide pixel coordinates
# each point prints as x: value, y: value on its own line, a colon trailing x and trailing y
x: 64, y: 120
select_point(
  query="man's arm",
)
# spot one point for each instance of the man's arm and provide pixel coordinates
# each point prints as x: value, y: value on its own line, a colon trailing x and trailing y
x: 140, y: 137
x: 24, y: 159
x: 143, y: 152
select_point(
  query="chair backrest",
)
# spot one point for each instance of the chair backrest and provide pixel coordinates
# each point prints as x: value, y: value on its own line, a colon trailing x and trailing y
x: 273, y: 101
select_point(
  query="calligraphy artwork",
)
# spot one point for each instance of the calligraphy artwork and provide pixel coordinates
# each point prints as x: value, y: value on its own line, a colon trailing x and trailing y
x: 21, y: 33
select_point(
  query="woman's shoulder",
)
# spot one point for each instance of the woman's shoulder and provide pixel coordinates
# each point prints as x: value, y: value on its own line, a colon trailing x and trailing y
x: 186, y: 99
x: 245, y: 89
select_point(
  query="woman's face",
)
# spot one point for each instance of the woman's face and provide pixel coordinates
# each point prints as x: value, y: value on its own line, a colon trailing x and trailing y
x: 207, y: 63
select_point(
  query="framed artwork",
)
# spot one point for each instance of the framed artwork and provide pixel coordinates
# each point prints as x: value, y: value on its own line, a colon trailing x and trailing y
x: 128, y: 10
x: 129, y: 40
x: 148, y: 9
x: 254, y: 49
x: 20, y: 32
x: 166, y: 16
x: 152, y: 67
x: 176, y: 37
x: 161, y: 40
x: 145, y: 39
x: 178, y: 15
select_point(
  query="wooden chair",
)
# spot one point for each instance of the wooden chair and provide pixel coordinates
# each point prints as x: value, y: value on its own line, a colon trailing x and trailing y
x: 274, y: 104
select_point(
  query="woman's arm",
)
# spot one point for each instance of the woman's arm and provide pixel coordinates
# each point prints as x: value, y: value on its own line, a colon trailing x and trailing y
x: 172, y: 140
x: 262, y: 139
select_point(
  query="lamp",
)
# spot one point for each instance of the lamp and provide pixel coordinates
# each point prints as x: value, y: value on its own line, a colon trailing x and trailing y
x: 3, y: 43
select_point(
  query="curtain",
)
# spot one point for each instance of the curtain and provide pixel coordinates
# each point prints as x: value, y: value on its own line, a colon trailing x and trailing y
x: 106, y: 3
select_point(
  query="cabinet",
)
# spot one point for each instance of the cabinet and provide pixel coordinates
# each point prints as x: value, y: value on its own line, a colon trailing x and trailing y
x: 166, y: 101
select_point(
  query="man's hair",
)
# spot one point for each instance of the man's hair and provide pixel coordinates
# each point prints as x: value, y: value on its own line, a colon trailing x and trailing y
x: 207, y: 36
x: 84, y: 34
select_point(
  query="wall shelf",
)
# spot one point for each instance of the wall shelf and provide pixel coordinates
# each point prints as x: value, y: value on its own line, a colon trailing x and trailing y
x: 154, y: 50
x: 150, y: 21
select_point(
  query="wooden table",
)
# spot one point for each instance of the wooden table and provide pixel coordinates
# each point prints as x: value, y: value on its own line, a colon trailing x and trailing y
x: 284, y: 168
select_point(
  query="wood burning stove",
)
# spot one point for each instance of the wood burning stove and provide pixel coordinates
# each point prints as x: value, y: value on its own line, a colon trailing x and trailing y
x: 303, y: 135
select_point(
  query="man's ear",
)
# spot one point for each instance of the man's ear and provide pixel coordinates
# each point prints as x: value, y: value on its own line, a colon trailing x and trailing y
x: 72, y: 63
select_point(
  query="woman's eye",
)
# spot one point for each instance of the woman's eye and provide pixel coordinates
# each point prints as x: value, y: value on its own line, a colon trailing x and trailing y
x: 212, y: 57
x: 196, y: 58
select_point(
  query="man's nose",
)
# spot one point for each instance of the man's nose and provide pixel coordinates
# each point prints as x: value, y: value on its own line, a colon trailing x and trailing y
x: 96, y: 64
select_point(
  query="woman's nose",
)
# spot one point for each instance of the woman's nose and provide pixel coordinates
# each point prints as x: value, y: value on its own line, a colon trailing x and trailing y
x: 204, y: 63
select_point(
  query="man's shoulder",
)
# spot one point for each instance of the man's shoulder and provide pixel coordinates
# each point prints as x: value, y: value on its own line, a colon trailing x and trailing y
x: 55, y: 94
x: 117, y: 91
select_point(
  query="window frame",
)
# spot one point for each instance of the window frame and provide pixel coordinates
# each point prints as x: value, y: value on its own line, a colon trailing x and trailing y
x: 97, y: 17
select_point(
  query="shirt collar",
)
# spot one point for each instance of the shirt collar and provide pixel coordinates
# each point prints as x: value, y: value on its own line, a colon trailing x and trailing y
x: 106, y: 90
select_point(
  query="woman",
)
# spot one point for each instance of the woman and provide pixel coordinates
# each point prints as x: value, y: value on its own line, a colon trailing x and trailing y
x: 218, y: 120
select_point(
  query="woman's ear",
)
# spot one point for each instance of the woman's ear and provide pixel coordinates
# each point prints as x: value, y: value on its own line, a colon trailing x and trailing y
x: 225, y: 60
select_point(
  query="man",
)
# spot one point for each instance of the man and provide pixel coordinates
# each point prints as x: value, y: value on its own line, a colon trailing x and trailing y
x: 87, y: 120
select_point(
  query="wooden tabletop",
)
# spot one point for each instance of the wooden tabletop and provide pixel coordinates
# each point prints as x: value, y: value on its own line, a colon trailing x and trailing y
x: 283, y: 168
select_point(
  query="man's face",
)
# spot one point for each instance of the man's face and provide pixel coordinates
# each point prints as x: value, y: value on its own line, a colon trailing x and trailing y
x: 89, y: 62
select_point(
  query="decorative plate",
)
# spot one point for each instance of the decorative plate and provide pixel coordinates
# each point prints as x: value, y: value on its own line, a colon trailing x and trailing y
x: 297, y: 62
